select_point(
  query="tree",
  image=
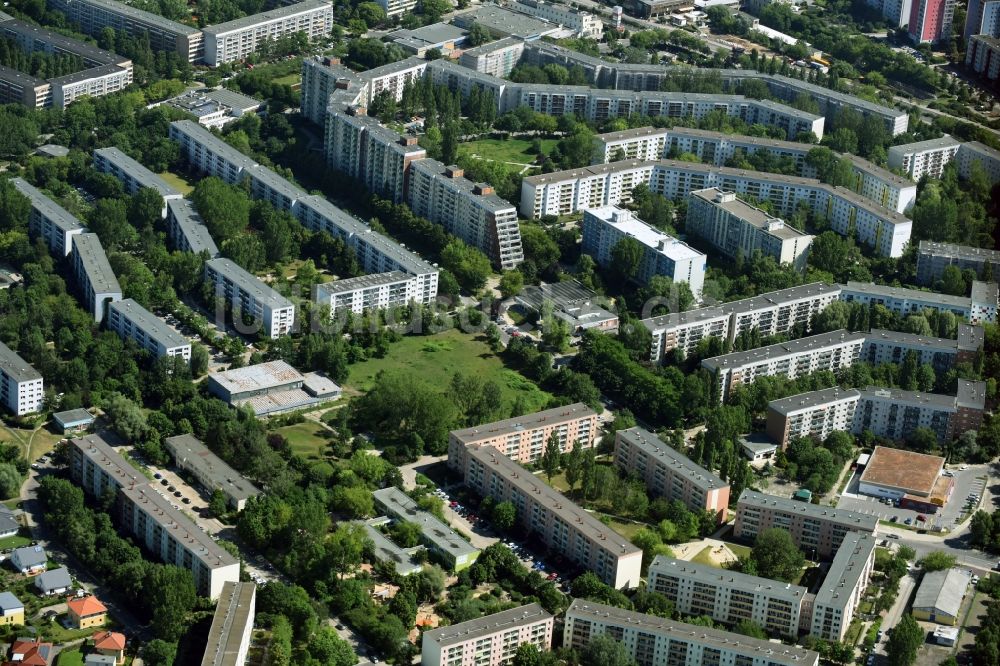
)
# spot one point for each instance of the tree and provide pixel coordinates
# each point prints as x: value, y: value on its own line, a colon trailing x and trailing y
x: 225, y: 208
x: 371, y: 13
x: 605, y: 651
x: 10, y: 481
x: 158, y: 652
x: 172, y: 596
x: 552, y: 456
x: 217, y: 505
x: 329, y: 649
x: 573, y: 464
x: 434, y: 9
x: 952, y: 281
x: 511, y: 283
x: 937, y: 561
x: 750, y: 628
x: 199, y: 360
x: 527, y: 654
x: 470, y: 266
x: 478, y: 35
x: 626, y: 257
x: 405, y: 533
x: 505, y: 515
x: 904, y: 641
x: 776, y: 555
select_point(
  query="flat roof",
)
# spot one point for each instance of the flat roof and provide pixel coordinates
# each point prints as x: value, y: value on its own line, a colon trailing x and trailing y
x: 473, y: 75
x: 848, y: 566
x: 490, y: 47
x: 810, y: 399
x: 204, y: 137
x: 911, y: 472
x: 153, y: 326
x: 955, y: 251
x: 276, y: 14
x: 144, y: 176
x: 902, y: 293
x: 192, y: 226
x: 911, y: 339
x: 782, y: 349
x: 233, y: 99
x: 488, y: 625
x: 518, y: 424
x: 9, y: 602
x: 16, y: 367
x: 258, y: 377
x: 248, y: 282
x: 704, y: 573
x: 812, y: 511
x: 429, y: 35
x: 631, y: 134
x: 755, y: 217
x: 990, y: 40
x: 985, y: 292
x: 90, y: 54
x: 413, y: 62
x: 766, y: 651
x: 49, y: 209
x: 982, y: 149
x: 192, y: 452
x: 561, y: 294
x: 945, y: 141
x: 653, y: 446
x: 95, y: 264
x: 388, y: 551
x: 506, y: 22
x: 101, y: 453
x: 571, y: 514
x: 971, y: 394
x: 943, y: 591
x: 327, y: 289
x: 438, y: 172
x: 624, y: 221
x: 233, y: 612
x: 434, y: 530
x: 149, y: 18
x: 73, y: 417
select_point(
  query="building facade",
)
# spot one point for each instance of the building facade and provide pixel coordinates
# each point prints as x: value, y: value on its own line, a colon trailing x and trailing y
x: 980, y: 307
x: 443, y: 543
x: 838, y: 598
x: 133, y: 322
x: 982, y: 18
x: 982, y: 55
x: 366, y: 292
x: 924, y: 158
x: 95, y: 280
x: 53, y: 223
x: 211, y: 472
x: 933, y: 258
x: 229, y: 636
x: 491, y: 640
x: 494, y: 58
x: 22, y: 388
x: 814, y: 414
x: 272, y: 313
x: 987, y: 158
x: 930, y: 20
x: 133, y: 175
x: 236, y: 39
x: 186, y: 229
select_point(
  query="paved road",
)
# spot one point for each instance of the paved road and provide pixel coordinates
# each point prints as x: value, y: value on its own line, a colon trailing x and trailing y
x: 906, y: 585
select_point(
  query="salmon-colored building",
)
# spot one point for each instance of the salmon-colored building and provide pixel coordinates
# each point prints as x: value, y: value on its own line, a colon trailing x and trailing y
x: 488, y: 641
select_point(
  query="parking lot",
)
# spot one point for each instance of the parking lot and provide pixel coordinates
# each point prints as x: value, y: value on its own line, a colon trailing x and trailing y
x: 970, y: 484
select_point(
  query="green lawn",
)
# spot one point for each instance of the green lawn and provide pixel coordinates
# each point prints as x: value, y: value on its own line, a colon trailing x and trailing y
x: 500, y: 150
x: 288, y: 79
x: 705, y: 557
x: 306, y: 439
x: 627, y: 530
x: 15, y: 541
x: 436, y: 358
x: 71, y: 657
x: 177, y: 182
x: 853, y: 633
x: 739, y: 550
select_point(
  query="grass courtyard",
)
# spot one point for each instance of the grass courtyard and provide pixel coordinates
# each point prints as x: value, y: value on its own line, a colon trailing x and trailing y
x: 308, y: 439
x: 434, y: 359
x: 505, y: 150
x: 177, y: 182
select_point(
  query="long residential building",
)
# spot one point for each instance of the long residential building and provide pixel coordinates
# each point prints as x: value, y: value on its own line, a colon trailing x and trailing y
x: 497, y: 58
x: 491, y: 640
x: 523, y: 438
x: 583, y: 24
x: 53, y: 223
x: 131, y: 321
x: 737, y: 229
x: 95, y: 280
x: 98, y: 468
x: 662, y: 254
x: 817, y: 530
x: 375, y: 253
x: 816, y: 414
x: 186, y: 229
x: 839, y: 596
x: 980, y: 307
x: 717, y: 148
x: 237, y: 39
x: 22, y: 389
x: 982, y: 55
x: 982, y: 18
x: 366, y: 292
x: 849, y: 214
x: 669, y: 473
x: 651, y: 640
x: 933, y: 258
x: 831, y: 351
x: 273, y: 314
x: 772, y: 313
x: 321, y: 78
x: 443, y: 543
x: 882, y: 346
x: 229, y: 636
x: 924, y: 158
x: 133, y: 175
x: 976, y: 153
x: 729, y: 597
x: 552, y: 519
x: 211, y: 472
x: 93, y: 16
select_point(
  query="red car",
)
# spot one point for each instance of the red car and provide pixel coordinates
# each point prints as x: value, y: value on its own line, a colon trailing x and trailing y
x: 921, y: 517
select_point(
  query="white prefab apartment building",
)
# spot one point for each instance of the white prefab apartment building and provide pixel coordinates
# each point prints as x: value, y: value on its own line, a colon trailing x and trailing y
x: 186, y: 229
x: 131, y: 321
x: 494, y: 58
x: 22, y: 388
x: 840, y: 594
x: 397, y: 7
x: 979, y: 307
x: 933, y: 258
x: 272, y: 313
x: 553, y: 520
x: 133, y: 175
x: 605, y: 227
x: 641, y: 143
x: 655, y: 641
x: 236, y: 39
x: 95, y: 279
x: 737, y: 229
x: 393, y: 77
x: 582, y: 23
x: 366, y: 292
x: 988, y: 158
x: 49, y: 220
x: 924, y: 158
x: 232, y: 626
x: 491, y: 640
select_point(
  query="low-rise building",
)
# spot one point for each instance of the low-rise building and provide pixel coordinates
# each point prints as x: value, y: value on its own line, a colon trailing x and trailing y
x: 131, y: 321
x: 656, y: 641
x: 9, y: 523
x: 933, y: 258
x: 583, y: 24
x: 11, y: 610
x: 133, y: 175
x: 214, y: 107
x: 30, y: 652
x: 418, y: 41
x: 492, y: 639
x: 187, y: 230
x: 53, y: 223
x: 270, y: 388
x: 109, y: 644
x: 505, y: 23
x: 22, y: 389
x: 817, y: 530
x: 523, y: 438
x: 232, y: 625
x: 386, y: 550
x: 979, y: 308
x: 237, y: 39
x: 839, y: 596
x: 73, y: 420
x: 907, y: 476
x: 669, y: 473
x: 571, y: 302
x: 552, y: 519
x: 86, y: 612
x: 272, y: 314
x: 211, y: 472
x: 924, y: 158
x: 95, y: 280
x: 940, y: 595
x: 444, y: 543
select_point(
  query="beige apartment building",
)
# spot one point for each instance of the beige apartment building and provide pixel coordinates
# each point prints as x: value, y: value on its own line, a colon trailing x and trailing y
x: 491, y: 640
x: 523, y: 438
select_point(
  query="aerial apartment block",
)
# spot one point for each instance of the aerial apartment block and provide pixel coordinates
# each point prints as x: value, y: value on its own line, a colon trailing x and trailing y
x: 273, y: 314
x: 982, y: 55
x: 497, y: 58
x: 982, y: 18
x: 772, y: 313
x: 839, y: 596
x: 552, y: 519
x: 133, y: 175
x: 883, y: 346
x: 98, y: 468
x: 669, y: 473
x: 393, y: 77
x: 930, y: 20
x: 165, y: 531
x: 186, y: 229
x: 232, y: 626
x: 397, y: 7
x: 640, y: 143
x: 980, y: 307
x: 933, y: 258
x: 92, y: 16
x: 22, y: 389
x: 583, y: 24
x: 490, y: 640
x: 523, y: 438
x: 236, y: 39
x: 815, y: 414
x: 651, y: 640
x: 849, y: 214
x: 211, y: 472
x: 605, y: 227
x: 729, y: 597
x: 737, y: 229
x: 817, y: 530
x: 133, y: 322
x: 924, y: 158
x: 323, y: 76
x: 95, y: 280
x: 16, y: 87
x: 366, y: 292
x: 831, y: 351
x: 438, y: 537
x: 895, y: 414
x: 987, y: 158
x: 47, y: 219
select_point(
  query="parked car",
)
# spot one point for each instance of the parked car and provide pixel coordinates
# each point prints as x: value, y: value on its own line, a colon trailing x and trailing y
x: 909, y: 521
x: 922, y: 518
